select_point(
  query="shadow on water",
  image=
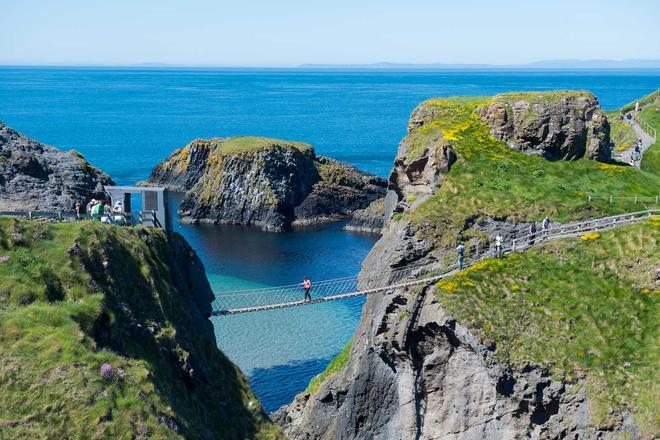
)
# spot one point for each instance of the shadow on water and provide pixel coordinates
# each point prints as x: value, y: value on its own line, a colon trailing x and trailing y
x: 280, y: 350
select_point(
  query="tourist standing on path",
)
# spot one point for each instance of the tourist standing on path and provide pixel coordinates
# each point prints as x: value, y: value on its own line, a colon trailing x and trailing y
x: 545, y: 226
x: 307, y: 286
x: 459, y: 253
x: 97, y: 210
x: 89, y: 206
x: 532, y: 234
x: 79, y: 211
x: 498, y: 245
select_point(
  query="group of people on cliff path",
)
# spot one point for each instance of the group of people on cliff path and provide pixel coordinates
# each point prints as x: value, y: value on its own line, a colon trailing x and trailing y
x: 96, y: 209
x: 532, y: 233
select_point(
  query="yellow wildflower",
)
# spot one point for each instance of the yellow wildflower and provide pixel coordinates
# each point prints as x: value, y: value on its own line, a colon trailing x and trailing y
x: 590, y: 236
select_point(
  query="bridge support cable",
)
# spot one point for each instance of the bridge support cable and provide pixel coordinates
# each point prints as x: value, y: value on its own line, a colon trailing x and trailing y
x: 270, y: 298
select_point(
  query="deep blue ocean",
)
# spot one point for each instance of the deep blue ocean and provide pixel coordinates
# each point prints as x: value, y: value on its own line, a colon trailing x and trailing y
x: 125, y: 120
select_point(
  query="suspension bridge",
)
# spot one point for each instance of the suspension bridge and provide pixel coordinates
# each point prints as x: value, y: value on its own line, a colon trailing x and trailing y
x: 271, y: 298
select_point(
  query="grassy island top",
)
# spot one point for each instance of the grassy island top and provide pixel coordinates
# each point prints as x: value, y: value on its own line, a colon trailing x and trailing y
x: 542, y: 97
x: 241, y: 144
x: 490, y: 179
x: 221, y: 148
x: 578, y: 307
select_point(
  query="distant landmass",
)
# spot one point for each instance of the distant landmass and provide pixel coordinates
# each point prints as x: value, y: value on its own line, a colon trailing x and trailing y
x: 546, y: 64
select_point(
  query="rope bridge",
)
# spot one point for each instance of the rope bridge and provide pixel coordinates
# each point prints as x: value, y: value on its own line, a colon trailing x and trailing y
x: 270, y: 298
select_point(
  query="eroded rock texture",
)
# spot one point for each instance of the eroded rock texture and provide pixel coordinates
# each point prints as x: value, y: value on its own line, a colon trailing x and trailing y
x: 416, y: 373
x: 268, y: 183
x: 38, y: 177
x: 557, y: 125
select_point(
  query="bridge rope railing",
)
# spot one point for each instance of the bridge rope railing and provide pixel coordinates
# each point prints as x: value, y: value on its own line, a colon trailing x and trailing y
x: 252, y: 300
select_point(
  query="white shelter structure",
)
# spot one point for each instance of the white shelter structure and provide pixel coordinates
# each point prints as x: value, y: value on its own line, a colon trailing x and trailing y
x: 154, y: 210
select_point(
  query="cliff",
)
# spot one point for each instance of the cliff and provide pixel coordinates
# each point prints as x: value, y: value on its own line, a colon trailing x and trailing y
x: 496, y: 352
x: 561, y: 125
x: 264, y: 182
x: 104, y: 334
x: 37, y: 177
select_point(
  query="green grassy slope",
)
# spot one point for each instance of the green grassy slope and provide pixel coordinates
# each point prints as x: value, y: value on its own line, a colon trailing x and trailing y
x: 621, y: 133
x: 580, y: 307
x: 75, y: 296
x: 489, y: 179
x: 651, y: 113
x: 335, y: 366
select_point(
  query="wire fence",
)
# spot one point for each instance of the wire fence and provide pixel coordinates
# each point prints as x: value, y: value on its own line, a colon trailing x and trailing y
x: 144, y: 218
x: 635, y: 199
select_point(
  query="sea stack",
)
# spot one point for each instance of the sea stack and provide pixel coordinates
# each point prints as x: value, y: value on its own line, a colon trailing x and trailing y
x: 268, y: 183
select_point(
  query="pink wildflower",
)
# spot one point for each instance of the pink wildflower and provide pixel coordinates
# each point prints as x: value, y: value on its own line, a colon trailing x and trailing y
x: 106, y: 371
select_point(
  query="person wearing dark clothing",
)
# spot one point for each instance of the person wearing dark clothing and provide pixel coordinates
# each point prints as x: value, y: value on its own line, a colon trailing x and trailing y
x: 532, y: 234
x: 307, y: 286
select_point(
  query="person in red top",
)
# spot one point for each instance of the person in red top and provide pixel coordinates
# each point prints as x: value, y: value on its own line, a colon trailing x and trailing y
x: 307, y: 286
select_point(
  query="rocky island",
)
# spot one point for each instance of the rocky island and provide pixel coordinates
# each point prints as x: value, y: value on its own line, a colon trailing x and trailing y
x: 269, y: 183
x: 38, y: 177
x: 555, y: 342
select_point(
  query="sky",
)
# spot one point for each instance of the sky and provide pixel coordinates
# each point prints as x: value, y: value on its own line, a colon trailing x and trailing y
x: 283, y: 33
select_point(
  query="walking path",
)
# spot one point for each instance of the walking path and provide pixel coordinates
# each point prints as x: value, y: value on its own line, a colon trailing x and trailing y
x: 254, y: 300
x: 646, y: 141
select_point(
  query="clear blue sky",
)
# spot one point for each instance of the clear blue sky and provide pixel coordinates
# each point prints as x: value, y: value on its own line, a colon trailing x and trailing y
x: 291, y: 32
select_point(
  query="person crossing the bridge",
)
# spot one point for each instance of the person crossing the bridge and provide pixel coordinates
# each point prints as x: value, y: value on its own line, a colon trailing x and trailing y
x: 307, y: 286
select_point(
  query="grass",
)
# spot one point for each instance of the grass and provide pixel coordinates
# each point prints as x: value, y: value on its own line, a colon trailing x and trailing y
x: 491, y: 180
x: 541, y: 97
x: 74, y: 296
x: 335, y: 366
x: 579, y: 307
x: 621, y: 133
x: 651, y: 113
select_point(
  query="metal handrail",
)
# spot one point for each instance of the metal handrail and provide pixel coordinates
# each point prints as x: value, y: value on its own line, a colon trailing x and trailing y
x: 648, y: 128
x: 579, y: 228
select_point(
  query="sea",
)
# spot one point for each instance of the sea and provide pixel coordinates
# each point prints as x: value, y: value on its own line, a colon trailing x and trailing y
x: 126, y: 120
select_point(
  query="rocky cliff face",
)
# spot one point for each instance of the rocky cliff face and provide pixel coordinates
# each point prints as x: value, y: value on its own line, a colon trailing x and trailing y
x: 415, y: 372
x: 37, y: 177
x: 263, y: 182
x: 556, y: 125
x: 370, y: 219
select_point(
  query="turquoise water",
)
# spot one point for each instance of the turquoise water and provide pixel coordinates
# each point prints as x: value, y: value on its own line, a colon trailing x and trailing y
x: 127, y: 120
